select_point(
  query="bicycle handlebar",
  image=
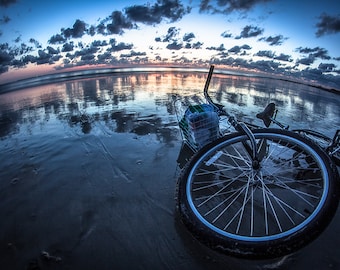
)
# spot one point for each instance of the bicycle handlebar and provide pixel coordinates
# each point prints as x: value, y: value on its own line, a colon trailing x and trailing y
x: 218, y: 107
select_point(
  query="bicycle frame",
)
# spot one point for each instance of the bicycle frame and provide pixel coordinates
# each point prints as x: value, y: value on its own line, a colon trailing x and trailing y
x: 268, y: 116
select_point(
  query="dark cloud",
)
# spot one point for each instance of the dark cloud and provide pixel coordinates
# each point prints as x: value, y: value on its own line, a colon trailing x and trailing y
x: 227, y: 6
x: 91, y: 30
x: 267, y: 66
x: 274, y: 41
x: 226, y: 34
x: 306, y: 60
x: 86, y: 51
x: 5, y: 19
x: 188, y: 37
x: 5, y: 58
x: 268, y: 54
x: 101, y: 28
x: 18, y: 39
x: 35, y: 42
x: 43, y: 58
x: 173, y: 10
x: 197, y: 45
x: 133, y: 54
x: 326, y: 67
x: 22, y: 49
x: 237, y: 49
x: 174, y: 46
x: 116, y: 47
x: 7, y: 3
x: 119, y: 22
x: 51, y: 50
x: 284, y: 57
x: 327, y: 25
x: 171, y: 35
x: 221, y: 48
x: 316, y: 52
x: 99, y: 43
x: 57, y: 39
x: 104, y: 57
x: 77, y: 31
x: 250, y: 31
x: 67, y: 47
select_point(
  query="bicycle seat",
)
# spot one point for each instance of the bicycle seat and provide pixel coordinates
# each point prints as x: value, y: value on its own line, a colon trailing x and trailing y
x: 267, y: 114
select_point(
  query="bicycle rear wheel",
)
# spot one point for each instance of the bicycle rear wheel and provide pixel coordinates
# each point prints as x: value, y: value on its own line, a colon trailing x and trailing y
x: 258, y: 213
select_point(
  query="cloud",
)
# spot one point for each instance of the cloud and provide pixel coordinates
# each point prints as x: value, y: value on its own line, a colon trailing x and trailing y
x: 7, y: 3
x: 51, y: 50
x: 171, y: 34
x: 250, y: 31
x: 220, y: 48
x: 57, y: 39
x: 5, y: 58
x: 326, y: 67
x: 35, y: 42
x: 268, y: 54
x: 188, y: 37
x: 327, y: 25
x: 176, y: 43
x: 174, y: 46
x: 274, y: 41
x: 316, y: 52
x: 281, y: 57
x: 226, y: 34
x: 284, y: 57
x: 119, y: 22
x: 197, y: 45
x: 307, y: 60
x: 68, y: 47
x: 237, y: 49
x: 173, y: 10
x: 228, y: 6
x: 133, y: 54
x: 5, y: 19
x: 99, y: 43
x: 77, y: 31
x: 116, y: 47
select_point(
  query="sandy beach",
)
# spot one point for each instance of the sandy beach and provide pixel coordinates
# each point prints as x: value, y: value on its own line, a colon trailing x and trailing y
x: 89, y: 184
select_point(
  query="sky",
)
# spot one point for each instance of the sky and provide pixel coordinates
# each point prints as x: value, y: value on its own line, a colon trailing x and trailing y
x: 298, y: 39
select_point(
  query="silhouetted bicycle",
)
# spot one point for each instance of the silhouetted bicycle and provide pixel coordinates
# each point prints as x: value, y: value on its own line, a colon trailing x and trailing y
x: 254, y: 192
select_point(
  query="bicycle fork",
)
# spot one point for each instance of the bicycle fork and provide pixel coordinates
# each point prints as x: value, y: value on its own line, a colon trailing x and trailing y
x: 253, y: 148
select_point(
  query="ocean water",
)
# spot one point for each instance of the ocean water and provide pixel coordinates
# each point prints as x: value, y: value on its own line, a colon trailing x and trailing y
x: 88, y: 168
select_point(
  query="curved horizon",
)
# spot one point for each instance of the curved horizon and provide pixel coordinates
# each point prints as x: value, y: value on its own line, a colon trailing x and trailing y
x: 71, y: 74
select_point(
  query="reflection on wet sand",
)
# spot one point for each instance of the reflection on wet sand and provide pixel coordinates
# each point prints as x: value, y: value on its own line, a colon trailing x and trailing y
x: 124, y: 99
x: 88, y: 168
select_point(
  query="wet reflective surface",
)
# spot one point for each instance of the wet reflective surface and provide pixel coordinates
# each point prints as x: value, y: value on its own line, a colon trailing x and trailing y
x: 88, y: 169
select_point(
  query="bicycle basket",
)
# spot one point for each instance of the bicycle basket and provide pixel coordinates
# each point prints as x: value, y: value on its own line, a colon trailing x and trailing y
x: 199, y: 125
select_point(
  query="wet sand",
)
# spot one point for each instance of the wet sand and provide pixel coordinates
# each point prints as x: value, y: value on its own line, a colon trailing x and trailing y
x: 96, y: 190
x: 89, y: 202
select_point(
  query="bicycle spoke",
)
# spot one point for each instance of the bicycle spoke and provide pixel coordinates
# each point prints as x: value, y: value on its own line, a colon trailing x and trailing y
x: 282, y: 193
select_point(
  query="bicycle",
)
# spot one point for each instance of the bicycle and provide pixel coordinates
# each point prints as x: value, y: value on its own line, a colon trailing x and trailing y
x: 254, y: 192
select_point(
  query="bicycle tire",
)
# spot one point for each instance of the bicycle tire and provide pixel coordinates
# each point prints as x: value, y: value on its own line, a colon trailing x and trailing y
x: 320, y: 139
x: 323, y: 141
x: 264, y: 213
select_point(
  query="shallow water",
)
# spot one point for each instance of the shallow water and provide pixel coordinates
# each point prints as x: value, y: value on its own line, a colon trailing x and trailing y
x: 88, y: 170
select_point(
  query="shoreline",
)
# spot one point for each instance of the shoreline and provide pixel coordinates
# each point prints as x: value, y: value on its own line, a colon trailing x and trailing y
x: 97, y: 72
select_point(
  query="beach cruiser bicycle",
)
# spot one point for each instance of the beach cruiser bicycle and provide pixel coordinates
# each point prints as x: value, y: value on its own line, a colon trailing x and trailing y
x: 254, y: 192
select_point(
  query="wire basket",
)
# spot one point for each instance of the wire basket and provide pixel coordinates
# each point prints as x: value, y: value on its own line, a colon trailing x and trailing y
x: 199, y: 125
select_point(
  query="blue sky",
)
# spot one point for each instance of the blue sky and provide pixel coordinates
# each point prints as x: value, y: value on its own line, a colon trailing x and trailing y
x: 295, y: 38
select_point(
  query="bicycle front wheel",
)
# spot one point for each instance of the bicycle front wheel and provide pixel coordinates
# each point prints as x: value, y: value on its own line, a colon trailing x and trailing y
x: 262, y: 212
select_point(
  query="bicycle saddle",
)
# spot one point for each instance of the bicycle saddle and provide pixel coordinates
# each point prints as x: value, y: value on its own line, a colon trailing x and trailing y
x: 267, y: 114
